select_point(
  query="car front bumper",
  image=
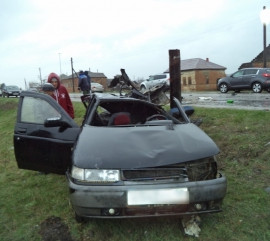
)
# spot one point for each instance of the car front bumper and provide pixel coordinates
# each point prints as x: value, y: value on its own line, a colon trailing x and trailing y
x: 142, y: 200
x: 12, y: 94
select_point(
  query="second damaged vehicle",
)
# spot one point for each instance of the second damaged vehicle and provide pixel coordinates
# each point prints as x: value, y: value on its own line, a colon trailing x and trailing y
x: 129, y: 158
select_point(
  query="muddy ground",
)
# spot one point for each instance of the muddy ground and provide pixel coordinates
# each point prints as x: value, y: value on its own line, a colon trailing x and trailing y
x: 54, y: 229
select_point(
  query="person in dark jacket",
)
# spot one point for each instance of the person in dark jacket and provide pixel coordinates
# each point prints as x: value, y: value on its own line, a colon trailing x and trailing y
x: 48, y: 89
x: 61, y: 94
x: 84, y: 83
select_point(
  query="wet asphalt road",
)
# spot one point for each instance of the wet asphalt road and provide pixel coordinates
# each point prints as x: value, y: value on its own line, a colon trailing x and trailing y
x: 243, y: 100
x: 215, y: 99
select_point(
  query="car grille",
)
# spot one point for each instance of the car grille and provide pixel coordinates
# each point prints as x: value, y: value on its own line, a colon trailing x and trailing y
x: 204, y: 169
x: 148, y: 174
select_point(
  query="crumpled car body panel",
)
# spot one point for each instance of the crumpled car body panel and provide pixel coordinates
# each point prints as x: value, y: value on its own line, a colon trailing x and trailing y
x: 166, y: 165
x: 141, y: 146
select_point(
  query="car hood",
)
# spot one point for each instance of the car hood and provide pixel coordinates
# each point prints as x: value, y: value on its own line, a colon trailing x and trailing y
x: 141, y: 146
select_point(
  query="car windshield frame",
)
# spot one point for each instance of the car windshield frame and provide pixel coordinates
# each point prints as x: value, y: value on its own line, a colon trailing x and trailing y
x: 140, y: 110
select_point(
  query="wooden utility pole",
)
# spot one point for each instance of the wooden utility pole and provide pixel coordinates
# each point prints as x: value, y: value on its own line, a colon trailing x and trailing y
x: 175, y: 76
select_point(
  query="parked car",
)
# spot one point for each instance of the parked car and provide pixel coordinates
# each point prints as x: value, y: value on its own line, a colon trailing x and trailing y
x: 33, y: 89
x: 129, y: 158
x: 11, y: 90
x: 96, y: 87
x: 154, y: 80
x: 0, y: 92
x: 255, y: 79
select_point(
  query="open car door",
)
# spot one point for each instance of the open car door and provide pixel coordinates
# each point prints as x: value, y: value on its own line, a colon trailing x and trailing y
x: 44, y: 134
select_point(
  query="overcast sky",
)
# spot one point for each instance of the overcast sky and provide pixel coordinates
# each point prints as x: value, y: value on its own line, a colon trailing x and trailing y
x: 40, y: 37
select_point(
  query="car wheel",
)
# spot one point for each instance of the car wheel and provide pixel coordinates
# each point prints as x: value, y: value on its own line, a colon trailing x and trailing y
x: 223, y: 88
x: 143, y: 89
x: 257, y: 87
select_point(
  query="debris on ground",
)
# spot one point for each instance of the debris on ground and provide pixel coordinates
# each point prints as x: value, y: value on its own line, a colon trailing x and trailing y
x: 205, y: 98
x: 53, y: 228
x: 191, y: 225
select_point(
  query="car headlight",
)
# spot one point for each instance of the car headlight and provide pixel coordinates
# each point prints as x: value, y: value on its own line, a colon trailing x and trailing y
x: 95, y: 175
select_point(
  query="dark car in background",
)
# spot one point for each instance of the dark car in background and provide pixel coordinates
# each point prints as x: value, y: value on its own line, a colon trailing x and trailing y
x: 255, y: 79
x: 11, y: 90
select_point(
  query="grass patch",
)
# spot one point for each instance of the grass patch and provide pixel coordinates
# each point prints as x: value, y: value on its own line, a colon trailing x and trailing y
x: 28, y: 198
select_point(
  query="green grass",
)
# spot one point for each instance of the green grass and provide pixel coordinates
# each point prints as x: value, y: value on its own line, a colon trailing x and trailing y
x: 28, y: 198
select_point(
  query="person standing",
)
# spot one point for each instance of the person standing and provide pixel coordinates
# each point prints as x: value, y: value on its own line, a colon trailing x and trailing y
x: 84, y: 83
x: 61, y: 94
x: 48, y: 89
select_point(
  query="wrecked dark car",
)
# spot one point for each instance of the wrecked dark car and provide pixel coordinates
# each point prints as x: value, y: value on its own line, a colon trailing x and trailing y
x: 129, y: 158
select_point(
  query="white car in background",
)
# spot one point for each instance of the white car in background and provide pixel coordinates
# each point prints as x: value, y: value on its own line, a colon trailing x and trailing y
x: 154, y: 80
x: 96, y: 87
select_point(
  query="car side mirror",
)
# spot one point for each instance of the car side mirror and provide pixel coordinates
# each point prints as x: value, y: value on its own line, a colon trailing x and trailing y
x: 56, y: 122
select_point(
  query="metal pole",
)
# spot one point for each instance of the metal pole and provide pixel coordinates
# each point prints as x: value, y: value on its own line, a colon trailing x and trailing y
x: 264, y: 42
x: 60, y: 64
x: 175, y: 75
x: 72, y: 75
x: 40, y: 76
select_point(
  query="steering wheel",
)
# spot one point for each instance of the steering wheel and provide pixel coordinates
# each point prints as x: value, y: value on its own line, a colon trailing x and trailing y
x: 156, y: 117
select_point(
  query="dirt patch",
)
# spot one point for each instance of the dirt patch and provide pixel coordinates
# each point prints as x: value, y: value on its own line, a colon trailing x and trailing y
x: 54, y: 229
x: 8, y: 105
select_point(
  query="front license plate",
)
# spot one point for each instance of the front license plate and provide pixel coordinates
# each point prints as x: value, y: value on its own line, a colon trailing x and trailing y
x: 158, y: 196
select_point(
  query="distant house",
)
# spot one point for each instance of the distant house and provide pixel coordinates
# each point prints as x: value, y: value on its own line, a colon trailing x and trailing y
x: 72, y: 85
x: 258, y: 60
x: 198, y: 74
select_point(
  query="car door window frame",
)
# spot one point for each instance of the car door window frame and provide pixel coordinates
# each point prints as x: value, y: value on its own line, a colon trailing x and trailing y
x: 40, y: 147
x: 239, y: 73
x: 250, y: 71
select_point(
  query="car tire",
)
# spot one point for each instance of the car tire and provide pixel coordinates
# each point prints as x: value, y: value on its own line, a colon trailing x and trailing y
x: 223, y: 88
x: 143, y: 89
x: 257, y: 87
